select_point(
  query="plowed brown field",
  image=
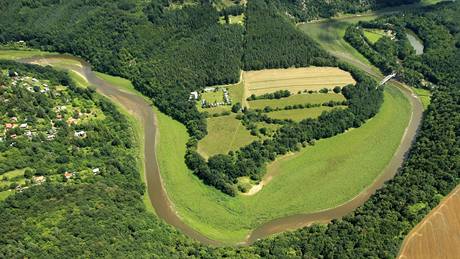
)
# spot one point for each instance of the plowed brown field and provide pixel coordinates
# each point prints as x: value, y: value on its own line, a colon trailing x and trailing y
x: 438, y: 235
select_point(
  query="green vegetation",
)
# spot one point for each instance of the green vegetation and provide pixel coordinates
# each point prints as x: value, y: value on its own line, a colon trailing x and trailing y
x: 374, y: 35
x: 424, y: 95
x: 235, y: 91
x: 296, y: 99
x: 230, y: 219
x: 18, y: 54
x: 299, y: 114
x: 225, y: 133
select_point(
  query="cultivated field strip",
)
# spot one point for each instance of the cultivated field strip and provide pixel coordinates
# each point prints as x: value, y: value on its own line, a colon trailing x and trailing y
x: 438, y: 235
x: 295, y: 79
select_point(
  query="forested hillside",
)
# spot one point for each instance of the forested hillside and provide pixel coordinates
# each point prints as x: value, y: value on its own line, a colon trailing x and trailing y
x: 167, y: 52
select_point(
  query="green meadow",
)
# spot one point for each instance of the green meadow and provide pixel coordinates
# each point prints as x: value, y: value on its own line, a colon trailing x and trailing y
x: 318, y: 177
x: 225, y: 133
x: 300, y: 114
x: 314, y: 98
x: 374, y: 35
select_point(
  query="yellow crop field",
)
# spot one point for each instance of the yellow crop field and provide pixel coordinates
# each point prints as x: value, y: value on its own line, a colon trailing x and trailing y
x: 295, y: 79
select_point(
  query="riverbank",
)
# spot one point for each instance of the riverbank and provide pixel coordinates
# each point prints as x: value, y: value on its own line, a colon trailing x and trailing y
x: 207, y: 215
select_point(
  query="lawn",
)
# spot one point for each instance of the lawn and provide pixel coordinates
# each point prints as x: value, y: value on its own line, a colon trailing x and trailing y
x: 373, y: 35
x: 225, y: 133
x: 15, y: 176
x: 319, y: 177
x: 18, y: 54
x: 424, y: 95
x: 296, y: 99
x: 300, y: 114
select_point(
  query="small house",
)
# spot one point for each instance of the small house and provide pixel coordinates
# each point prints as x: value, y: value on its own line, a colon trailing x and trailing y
x: 68, y: 175
x: 38, y: 179
x: 193, y: 95
x: 80, y: 134
x: 96, y: 171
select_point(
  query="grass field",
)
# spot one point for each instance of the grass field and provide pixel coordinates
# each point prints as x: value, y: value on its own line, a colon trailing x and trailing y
x: 235, y: 91
x: 300, y: 114
x: 373, y: 35
x: 424, y: 95
x: 18, y: 54
x: 15, y: 176
x: 234, y: 19
x: 319, y: 177
x: 225, y: 133
x: 295, y: 79
x: 296, y: 99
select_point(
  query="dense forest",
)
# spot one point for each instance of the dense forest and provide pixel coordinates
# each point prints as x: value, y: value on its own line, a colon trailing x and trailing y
x: 166, y: 53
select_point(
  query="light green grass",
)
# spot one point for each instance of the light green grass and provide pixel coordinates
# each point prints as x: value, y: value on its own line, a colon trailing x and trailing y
x: 15, y: 176
x: 424, y: 95
x: 212, y: 97
x: 78, y: 79
x: 120, y: 82
x: 300, y: 114
x: 234, y: 19
x: 319, y: 177
x: 373, y: 35
x: 18, y: 54
x: 5, y: 194
x: 329, y: 33
x: 225, y: 133
x: 296, y: 99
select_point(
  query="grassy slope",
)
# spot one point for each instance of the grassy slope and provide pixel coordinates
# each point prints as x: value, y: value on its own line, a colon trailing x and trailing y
x: 299, y: 114
x: 296, y: 99
x: 424, y: 95
x: 314, y: 169
x: 18, y: 54
x: 225, y: 133
x: 373, y: 35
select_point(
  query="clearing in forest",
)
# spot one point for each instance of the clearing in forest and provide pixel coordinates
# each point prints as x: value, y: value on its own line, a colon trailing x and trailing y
x: 295, y: 79
x: 437, y: 235
x: 225, y: 133
x: 301, y: 114
x: 304, y: 98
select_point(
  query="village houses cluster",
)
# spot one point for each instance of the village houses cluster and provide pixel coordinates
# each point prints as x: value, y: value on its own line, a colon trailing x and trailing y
x: 226, y: 100
x: 27, y: 128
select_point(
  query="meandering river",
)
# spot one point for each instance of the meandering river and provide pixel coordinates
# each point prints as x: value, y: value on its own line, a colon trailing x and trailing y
x: 142, y: 110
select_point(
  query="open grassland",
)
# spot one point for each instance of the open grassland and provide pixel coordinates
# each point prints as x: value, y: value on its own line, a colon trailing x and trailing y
x: 301, y: 114
x: 295, y: 79
x: 424, y: 95
x: 225, y: 133
x: 437, y: 236
x: 233, y: 19
x: 15, y: 176
x: 329, y: 33
x: 315, y: 98
x: 374, y: 35
x: 319, y: 177
x: 18, y: 54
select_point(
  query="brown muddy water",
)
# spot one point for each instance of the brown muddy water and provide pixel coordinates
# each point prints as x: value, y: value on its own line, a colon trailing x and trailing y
x: 142, y: 110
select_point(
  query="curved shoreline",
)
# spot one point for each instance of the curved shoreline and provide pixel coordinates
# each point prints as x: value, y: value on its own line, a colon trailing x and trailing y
x: 139, y: 107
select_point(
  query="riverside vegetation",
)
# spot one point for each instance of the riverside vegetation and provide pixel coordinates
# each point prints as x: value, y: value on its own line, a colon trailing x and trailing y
x: 161, y: 67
